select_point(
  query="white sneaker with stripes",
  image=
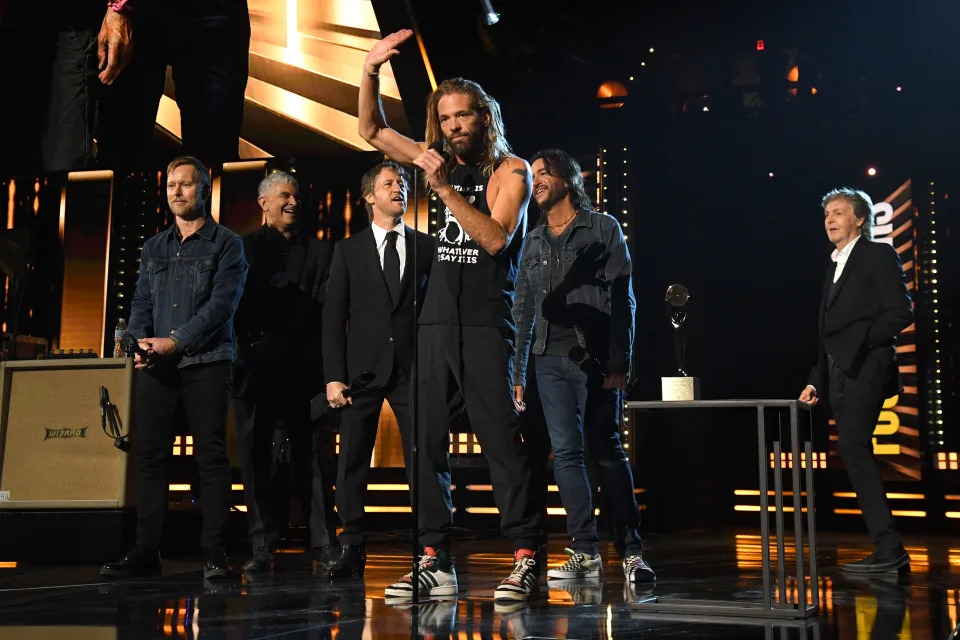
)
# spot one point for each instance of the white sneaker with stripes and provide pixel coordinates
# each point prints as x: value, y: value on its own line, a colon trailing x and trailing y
x: 523, y: 583
x: 431, y: 578
x: 579, y: 566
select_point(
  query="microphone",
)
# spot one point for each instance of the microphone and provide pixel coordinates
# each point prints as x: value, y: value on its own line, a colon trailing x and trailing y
x: 103, y: 405
x: 437, y: 146
x: 319, y: 404
x: 359, y: 383
x: 588, y: 363
x: 130, y: 346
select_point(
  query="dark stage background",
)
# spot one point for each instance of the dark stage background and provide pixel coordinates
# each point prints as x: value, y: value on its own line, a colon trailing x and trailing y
x: 721, y: 126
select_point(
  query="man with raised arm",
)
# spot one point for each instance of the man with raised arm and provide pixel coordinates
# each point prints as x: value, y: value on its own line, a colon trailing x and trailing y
x: 466, y: 332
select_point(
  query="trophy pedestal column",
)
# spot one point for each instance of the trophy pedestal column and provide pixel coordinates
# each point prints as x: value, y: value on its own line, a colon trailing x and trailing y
x: 680, y: 388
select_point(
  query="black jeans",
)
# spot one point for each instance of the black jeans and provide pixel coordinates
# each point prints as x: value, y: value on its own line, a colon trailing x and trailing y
x: 206, y: 42
x: 856, y: 404
x: 358, y: 435
x: 266, y: 495
x: 480, y: 361
x: 582, y: 416
x: 48, y: 65
x: 202, y: 392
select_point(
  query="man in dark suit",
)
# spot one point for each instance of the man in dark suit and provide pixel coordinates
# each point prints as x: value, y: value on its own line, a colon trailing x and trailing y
x: 278, y: 370
x: 368, y: 326
x: 864, y: 308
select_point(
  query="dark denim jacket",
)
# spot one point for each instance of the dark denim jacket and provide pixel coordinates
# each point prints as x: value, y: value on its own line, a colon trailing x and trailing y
x: 596, y: 292
x: 190, y: 292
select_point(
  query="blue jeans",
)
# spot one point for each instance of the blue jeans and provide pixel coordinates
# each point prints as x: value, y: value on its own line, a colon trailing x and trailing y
x: 575, y: 405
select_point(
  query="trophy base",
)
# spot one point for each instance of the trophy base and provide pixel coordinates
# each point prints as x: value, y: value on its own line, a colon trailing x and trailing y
x: 677, y: 389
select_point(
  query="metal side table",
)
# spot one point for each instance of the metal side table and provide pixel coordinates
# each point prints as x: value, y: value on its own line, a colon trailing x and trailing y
x: 806, y: 564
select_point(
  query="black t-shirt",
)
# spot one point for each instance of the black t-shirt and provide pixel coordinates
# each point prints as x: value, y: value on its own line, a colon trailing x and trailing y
x: 561, y: 334
x: 468, y: 286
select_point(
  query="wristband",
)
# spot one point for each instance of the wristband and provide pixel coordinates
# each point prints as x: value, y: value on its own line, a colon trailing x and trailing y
x: 120, y: 6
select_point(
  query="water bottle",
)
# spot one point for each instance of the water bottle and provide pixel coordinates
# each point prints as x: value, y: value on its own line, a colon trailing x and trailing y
x: 117, y: 338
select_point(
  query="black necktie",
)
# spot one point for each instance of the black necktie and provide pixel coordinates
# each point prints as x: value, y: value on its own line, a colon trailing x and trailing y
x: 391, y: 266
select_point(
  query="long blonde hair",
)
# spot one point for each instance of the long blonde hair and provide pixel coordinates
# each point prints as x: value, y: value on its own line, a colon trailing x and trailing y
x: 494, y: 139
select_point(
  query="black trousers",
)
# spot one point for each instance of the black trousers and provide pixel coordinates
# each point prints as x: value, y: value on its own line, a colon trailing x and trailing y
x: 856, y: 403
x: 358, y: 435
x: 201, y: 392
x: 536, y: 441
x: 265, y: 491
x: 207, y: 47
x: 479, y: 360
x: 48, y: 65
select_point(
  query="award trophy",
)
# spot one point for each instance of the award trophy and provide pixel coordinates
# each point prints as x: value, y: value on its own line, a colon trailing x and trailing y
x: 680, y: 386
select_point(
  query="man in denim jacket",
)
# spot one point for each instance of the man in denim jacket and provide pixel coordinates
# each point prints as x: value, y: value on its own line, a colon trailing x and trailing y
x: 575, y: 303
x: 191, y: 278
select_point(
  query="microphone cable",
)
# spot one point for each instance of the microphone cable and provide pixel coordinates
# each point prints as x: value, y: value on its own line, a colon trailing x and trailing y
x: 111, y: 423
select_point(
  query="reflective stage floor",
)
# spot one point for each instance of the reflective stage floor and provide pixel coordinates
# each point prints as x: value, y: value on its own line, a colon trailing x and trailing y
x: 74, y: 602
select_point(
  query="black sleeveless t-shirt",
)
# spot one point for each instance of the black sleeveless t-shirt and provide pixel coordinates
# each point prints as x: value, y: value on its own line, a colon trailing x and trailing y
x: 468, y: 286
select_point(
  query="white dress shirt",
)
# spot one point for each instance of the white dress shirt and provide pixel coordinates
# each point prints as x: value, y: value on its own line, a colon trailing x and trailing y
x: 380, y: 236
x: 839, y: 256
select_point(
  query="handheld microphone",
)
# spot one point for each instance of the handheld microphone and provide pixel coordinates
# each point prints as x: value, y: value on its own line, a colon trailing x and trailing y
x: 103, y: 405
x: 130, y: 346
x: 437, y: 146
x: 359, y: 383
x: 319, y: 404
x: 587, y: 362
x: 592, y: 367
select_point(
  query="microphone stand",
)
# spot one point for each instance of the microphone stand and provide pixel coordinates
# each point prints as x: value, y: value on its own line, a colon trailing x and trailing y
x: 15, y: 328
x: 415, y: 435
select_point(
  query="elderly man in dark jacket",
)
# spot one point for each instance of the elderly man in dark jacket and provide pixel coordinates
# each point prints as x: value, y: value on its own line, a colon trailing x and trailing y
x: 278, y: 370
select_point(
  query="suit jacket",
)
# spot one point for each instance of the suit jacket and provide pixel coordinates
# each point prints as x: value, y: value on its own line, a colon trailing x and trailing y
x: 363, y: 329
x: 862, y: 315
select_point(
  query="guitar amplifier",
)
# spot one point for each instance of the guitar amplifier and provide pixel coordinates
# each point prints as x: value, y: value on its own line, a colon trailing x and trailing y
x: 54, y: 454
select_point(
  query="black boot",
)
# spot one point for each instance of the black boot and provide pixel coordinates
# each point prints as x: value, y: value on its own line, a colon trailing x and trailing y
x: 325, y: 557
x: 138, y: 562
x: 216, y: 566
x: 351, y: 563
x: 260, y: 562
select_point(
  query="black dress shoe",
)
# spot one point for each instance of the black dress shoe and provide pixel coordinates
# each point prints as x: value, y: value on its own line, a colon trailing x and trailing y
x: 216, y: 567
x: 324, y: 558
x: 880, y: 561
x: 140, y: 561
x: 351, y: 563
x: 260, y: 562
